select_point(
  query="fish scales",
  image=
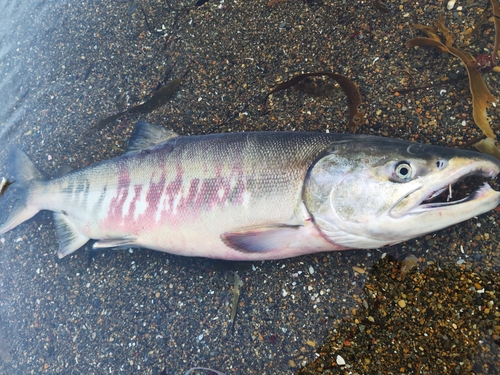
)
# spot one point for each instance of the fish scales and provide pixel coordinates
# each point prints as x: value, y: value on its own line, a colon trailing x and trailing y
x: 169, y: 195
x: 252, y: 196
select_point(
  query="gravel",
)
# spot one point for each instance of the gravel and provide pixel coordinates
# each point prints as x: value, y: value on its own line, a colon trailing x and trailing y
x: 66, y: 65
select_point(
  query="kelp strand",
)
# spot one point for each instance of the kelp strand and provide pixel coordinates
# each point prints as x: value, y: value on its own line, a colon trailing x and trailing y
x: 350, y: 89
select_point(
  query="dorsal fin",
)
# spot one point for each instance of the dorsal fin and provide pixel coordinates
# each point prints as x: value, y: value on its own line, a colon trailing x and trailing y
x: 146, y: 136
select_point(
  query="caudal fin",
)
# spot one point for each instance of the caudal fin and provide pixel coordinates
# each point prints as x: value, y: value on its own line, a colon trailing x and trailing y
x: 13, y: 200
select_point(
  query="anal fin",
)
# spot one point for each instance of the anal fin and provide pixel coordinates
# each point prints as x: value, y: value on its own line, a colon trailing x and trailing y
x: 261, y: 240
x: 70, y: 238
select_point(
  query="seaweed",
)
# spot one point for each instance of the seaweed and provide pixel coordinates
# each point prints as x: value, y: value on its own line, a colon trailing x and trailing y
x: 496, y: 22
x: 350, y: 89
x: 481, y: 96
x: 199, y: 3
x: 236, y: 297
x: 188, y: 372
x: 411, y: 261
x: 487, y: 146
x: 432, y: 85
x: 475, y: 34
x: 203, y: 369
x: 478, y: 139
x: 159, y: 98
x: 318, y: 89
x: 381, y: 7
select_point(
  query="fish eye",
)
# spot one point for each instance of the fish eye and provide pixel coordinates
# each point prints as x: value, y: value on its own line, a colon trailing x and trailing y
x: 403, y: 171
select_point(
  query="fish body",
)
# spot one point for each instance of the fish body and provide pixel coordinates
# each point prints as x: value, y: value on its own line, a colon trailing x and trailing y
x: 252, y: 196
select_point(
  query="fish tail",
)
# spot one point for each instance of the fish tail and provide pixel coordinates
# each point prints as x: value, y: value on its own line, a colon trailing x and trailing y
x: 14, y: 194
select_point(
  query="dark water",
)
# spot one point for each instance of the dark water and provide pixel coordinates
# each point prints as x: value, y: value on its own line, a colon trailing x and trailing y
x: 64, y: 66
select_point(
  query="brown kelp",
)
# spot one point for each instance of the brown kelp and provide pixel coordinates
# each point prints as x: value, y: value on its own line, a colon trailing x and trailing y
x: 203, y: 369
x: 496, y: 22
x: 159, y: 98
x: 236, y: 297
x: 487, y: 146
x: 481, y: 96
x: 474, y: 141
x: 196, y: 369
x: 475, y: 35
x: 381, y: 7
x: 350, y: 89
x: 318, y: 88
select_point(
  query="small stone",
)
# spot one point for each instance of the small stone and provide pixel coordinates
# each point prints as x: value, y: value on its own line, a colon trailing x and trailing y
x: 291, y: 363
x: 402, y: 303
x: 311, y: 343
x: 340, y: 361
x: 358, y: 269
x: 478, y: 286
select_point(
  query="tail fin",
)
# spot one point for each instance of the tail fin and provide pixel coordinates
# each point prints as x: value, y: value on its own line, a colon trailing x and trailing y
x: 13, y: 201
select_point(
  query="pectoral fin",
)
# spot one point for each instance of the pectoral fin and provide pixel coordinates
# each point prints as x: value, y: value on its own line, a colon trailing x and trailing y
x: 261, y: 240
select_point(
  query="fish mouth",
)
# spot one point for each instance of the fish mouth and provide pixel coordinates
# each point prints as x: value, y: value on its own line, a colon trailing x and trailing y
x: 465, y: 185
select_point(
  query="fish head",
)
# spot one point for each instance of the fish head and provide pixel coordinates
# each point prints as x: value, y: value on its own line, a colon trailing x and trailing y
x: 373, y: 191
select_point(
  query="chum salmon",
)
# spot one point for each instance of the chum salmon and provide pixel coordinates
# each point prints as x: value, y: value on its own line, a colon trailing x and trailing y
x: 252, y: 196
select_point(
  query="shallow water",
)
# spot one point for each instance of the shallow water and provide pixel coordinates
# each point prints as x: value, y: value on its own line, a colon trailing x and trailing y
x: 64, y: 66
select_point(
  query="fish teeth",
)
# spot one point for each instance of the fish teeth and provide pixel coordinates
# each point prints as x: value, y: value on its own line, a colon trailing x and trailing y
x: 434, y: 194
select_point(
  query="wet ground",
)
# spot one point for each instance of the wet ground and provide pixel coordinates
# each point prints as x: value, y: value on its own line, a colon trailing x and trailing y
x: 67, y: 65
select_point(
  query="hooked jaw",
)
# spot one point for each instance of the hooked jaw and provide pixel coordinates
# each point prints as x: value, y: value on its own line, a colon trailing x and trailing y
x: 421, y: 199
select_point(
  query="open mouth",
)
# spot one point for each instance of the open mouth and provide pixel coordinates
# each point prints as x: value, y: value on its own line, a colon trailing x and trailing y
x: 460, y: 188
x: 465, y: 188
x: 454, y: 194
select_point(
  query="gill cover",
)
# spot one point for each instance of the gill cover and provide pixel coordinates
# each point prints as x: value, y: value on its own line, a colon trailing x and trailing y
x: 372, y: 193
x: 348, y: 196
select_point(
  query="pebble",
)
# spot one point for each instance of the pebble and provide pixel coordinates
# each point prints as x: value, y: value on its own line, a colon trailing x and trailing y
x: 430, y: 324
x: 340, y: 361
x: 358, y: 269
x: 311, y: 343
